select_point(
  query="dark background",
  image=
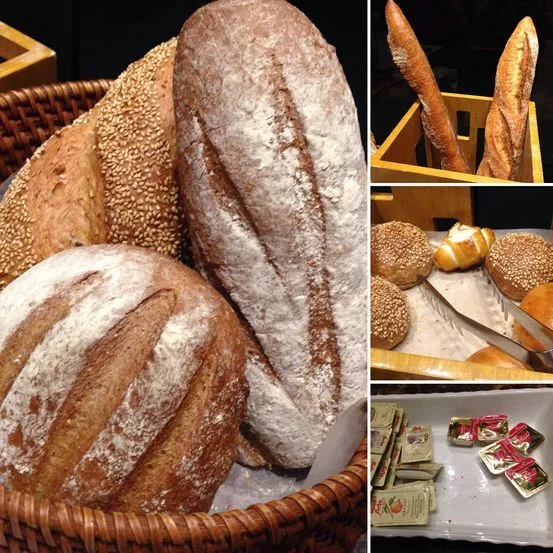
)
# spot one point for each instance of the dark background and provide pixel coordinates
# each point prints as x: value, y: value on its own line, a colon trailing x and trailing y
x: 99, y: 39
x: 463, y: 40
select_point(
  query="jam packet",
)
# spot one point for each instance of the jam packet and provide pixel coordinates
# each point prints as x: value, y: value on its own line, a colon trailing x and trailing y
x: 462, y: 430
x: 375, y: 462
x: 380, y: 476
x: 418, y: 471
x: 492, y: 428
x: 398, y: 420
x: 427, y: 486
x: 417, y: 444
x: 525, y: 438
x: 391, y: 476
x: 500, y: 456
x: 379, y: 439
x: 382, y: 414
x: 528, y: 477
x: 399, y: 507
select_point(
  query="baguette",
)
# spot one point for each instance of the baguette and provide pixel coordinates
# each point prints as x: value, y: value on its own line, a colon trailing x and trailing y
x: 413, y: 65
x: 270, y: 149
x: 110, y: 177
x: 506, y: 121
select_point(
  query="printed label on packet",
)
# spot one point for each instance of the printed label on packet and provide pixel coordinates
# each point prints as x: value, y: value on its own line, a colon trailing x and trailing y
x: 462, y: 430
x: 375, y: 461
x: 391, y: 476
x: 528, y: 477
x: 417, y: 444
x: 525, y: 438
x: 398, y: 419
x: 382, y: 414
x: 399, y: 508
x: 500, y: 456
x: 427, y: 486
x: 380, y: 477
x: 492, y: 428
x: 379, y: 439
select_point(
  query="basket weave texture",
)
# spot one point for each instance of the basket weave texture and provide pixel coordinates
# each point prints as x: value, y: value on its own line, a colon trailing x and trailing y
x: 328, y: 518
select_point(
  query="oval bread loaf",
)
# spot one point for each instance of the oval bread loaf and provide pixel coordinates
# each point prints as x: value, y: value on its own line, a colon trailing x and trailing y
x: 270, y: 149
x: 110, y: 177
x: 122, y: 382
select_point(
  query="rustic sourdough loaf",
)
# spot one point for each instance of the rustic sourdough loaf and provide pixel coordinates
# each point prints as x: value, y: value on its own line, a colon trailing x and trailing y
x: 122, y: 382
x: 109, y: 177
x: 275, y: 197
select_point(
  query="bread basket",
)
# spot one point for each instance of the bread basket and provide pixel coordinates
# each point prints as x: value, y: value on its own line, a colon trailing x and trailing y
x: 330, y: 517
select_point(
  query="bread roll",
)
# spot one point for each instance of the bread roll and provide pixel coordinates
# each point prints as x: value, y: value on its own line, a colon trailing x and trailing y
x: 400, y: 253
x: 490, y: 355
x: 122, y: 383
x: 390, y: 317
x: 538, y: 303
x: 464, y: 247
x: 413, y: 65
x: 506, y: 122
x: 108, y: 177
x: 520, y: 261
x: 270, y: 149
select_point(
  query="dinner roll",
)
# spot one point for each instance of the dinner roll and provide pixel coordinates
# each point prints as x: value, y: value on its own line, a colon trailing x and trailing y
x: 538, y: 303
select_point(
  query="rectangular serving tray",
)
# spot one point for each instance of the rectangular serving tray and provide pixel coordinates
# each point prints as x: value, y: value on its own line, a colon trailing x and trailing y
x: 474, y: 504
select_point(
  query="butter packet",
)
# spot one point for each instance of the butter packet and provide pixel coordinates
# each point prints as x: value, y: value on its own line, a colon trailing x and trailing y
x: 418, y: 471
x: 462, y: 430
x: 375, y: 462
x: 417, y: 444
x: 396, y: 452
x: 528, y: 477
x: 525, y: 438
x: 427, y: 486
x: 492, y: 428
x: 379, y: 439
x: 381, y: 473
x: 399, y: 507
x: 500, y: 456
x: 382, y: 414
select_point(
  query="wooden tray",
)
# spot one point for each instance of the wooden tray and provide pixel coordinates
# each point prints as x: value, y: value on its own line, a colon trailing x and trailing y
x: 396, y: 159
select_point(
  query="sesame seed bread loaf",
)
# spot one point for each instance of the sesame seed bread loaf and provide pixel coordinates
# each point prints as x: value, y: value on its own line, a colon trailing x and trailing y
x: 270, y: 149
x: 122, y: 384
x: 110, y: 177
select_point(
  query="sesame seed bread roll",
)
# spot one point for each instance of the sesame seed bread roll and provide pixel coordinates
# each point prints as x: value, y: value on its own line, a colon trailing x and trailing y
x: 110, y: 177
x: 520, y: 261
x: 506, y: 122
x: 122, y: 383
x: 270, y: 149
x: 390, y: 318
x: 413, y: 65
x: 400, y: 253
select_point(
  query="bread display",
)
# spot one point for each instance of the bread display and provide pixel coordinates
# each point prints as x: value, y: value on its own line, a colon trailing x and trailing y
x: 538, y: 303
x: 107, y: 178
x: 520, y: 261
x: 491, y: 355
x: 122, y: 383
x: 390, y: 317
x: 506, y: 122
x: 273, y: 179
x: 464, y: 247
x: 413, y: 65
x: 400, y: 253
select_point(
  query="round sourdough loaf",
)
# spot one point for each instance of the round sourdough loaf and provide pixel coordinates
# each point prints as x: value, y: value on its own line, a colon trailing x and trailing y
x: 122, y: 382
x: 275, y: 198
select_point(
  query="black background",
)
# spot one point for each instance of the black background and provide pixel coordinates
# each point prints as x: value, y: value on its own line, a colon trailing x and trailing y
x: 99, y: 39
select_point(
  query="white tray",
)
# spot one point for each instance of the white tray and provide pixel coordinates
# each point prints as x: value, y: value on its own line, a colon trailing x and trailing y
x: 473, y: 504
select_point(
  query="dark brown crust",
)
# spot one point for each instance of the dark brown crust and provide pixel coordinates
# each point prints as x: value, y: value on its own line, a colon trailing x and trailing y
x: 413, y: 65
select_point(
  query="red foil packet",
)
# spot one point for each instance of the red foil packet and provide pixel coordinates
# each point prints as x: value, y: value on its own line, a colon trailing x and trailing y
x: 462, y: 430
x: 528, y: 477
x: 500, y: 456
x: 525, y: 438
x: 492, y: 428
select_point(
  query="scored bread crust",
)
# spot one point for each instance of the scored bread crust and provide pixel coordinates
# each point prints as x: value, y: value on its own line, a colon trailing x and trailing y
x: 506, y: 122
x: 123, y: 382
x: 108, y: 177
x: 269, y: 145
x: 413, y: 65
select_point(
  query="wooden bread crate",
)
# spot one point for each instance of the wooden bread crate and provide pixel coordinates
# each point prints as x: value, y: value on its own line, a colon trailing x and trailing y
x: 396, y: 159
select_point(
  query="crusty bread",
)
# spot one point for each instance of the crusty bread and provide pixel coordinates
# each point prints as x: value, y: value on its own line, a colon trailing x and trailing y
x: 270, y: 149
x: 390, y: 316
x: 413, y: 65
x: 400, y: 253
x: 122, y: 383
x: 109, y: 177
x: 520, y: 261
x: 538, y: 303
x: 464, y: 247
x: 506, y: 121
x: 490, y: 355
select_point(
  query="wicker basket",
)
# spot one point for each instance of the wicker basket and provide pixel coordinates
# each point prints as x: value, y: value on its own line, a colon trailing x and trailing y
x: 328, y: 518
